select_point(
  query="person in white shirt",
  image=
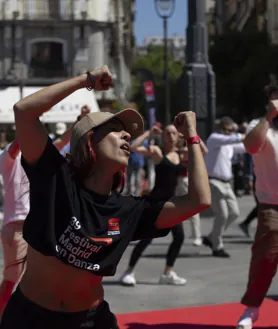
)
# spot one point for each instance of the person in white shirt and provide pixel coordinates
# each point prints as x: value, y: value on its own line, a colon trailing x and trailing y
x: 16, y: 208
x: 222, y: 145
x: 60, y: 129
x: 262, y: 143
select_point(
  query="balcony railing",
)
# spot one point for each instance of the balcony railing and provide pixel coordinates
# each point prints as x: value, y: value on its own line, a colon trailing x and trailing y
x: 44, y: 9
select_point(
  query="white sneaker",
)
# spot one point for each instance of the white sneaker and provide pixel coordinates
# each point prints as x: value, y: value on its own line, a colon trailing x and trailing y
x: 172, y: 278
x: 197, y: 242
x: 248, y: 318
x: 128, y: 279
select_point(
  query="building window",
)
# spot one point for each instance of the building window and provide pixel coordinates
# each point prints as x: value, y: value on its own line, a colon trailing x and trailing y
x: 47, y: 9
x: 47, y: 60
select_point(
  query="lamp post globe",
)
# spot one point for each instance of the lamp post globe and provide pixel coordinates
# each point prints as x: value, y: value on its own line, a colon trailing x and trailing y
x: 164, y: 8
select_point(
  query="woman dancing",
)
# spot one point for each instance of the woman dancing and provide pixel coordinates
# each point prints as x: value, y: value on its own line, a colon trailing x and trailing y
x: 168, y: 168
x: 78, y: 226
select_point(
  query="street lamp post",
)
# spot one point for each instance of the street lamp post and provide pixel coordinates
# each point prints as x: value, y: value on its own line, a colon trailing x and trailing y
x: 198, y: 78
x: 165, y: 9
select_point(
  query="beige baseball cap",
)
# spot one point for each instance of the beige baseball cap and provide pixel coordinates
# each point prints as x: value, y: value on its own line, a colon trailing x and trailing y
x: 131, y: 119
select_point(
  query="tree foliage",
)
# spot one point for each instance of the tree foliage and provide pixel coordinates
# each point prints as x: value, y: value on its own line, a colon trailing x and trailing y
x: 242, y: 63
x: 154, y: 62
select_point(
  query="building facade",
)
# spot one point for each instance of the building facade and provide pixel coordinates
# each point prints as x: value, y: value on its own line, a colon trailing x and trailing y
x: 237, y: 15
x: 272, y: 20
x: 45, y: 41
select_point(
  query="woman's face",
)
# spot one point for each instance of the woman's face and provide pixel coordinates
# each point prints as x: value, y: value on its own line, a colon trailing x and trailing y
x: 181, y: 142
x: 171, y: 136
x: 111, y: 145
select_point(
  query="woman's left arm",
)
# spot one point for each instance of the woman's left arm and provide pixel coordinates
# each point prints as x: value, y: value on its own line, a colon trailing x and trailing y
x: 180, y: 208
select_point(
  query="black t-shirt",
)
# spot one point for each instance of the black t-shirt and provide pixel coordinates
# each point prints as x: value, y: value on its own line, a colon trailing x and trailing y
x: 81, y: 228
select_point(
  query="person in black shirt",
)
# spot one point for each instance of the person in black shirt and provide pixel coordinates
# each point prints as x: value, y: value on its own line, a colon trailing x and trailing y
x: 79, y: 225
x: 168, y: 168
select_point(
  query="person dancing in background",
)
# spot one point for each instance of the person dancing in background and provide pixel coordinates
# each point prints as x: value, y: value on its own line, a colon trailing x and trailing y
x: 168, y: 168
x: 79, y: 225
x: 222, y: 145
x: 16, y: 208
x: 262, y: 142
x: 136, y: 164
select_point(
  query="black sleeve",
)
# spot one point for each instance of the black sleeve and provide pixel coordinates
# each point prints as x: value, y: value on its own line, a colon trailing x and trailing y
x: 145, y: 228
x: 47, y: 165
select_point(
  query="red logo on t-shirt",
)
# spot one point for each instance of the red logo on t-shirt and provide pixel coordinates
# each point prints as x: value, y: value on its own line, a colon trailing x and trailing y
x: 113, y: 226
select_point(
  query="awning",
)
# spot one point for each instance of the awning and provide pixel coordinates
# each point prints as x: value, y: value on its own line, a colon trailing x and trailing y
x: 66, y: 111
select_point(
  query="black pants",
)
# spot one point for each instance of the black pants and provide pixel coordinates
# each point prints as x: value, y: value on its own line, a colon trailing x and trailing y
x: 251, y: 216
x: 173, y: 251
x: 21, y: 313
x: 238, y: 178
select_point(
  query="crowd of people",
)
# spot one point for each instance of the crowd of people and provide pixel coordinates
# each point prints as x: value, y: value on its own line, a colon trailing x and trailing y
x: 69, y: 209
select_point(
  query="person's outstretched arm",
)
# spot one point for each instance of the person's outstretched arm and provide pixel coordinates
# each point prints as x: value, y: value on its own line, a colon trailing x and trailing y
x: 63, y: 140
x: 137, y: 143
x: 31, y: 134
x: 257, y: 137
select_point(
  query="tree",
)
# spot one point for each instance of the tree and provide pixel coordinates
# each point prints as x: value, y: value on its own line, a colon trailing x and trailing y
x: 242, y: 62
x: 154, y: 62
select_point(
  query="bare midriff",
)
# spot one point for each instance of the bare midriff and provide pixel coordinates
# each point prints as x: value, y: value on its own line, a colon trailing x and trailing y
x: 59, y: 287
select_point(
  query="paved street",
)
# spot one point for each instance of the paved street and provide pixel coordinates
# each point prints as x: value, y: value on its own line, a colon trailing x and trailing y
x: 210, y: 280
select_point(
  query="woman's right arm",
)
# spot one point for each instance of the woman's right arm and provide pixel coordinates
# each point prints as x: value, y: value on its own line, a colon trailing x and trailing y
x: 152, y: 151
x: 136, y: 145
x: 257, y: 137
x: 31, y: 134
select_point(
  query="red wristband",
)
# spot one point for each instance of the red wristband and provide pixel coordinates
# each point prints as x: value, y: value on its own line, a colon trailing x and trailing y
x: 193, y: 140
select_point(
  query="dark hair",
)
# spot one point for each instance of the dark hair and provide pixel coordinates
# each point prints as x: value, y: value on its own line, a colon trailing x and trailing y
x: 83, y: 159
x: 270, y: 89
x: 226, y: 121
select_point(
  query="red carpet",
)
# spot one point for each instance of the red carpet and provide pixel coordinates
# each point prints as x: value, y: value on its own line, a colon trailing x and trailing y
x: 222, y: 316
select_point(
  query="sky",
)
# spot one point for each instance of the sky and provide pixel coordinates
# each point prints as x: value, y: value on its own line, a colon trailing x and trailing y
x: 148, y: 23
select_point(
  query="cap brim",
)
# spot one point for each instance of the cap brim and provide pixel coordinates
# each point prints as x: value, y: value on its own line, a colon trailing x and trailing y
x: 132, y: 121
